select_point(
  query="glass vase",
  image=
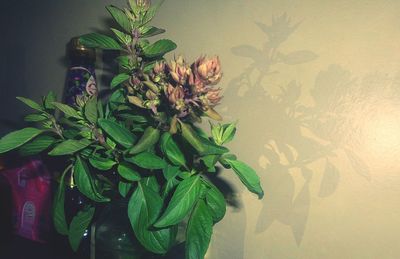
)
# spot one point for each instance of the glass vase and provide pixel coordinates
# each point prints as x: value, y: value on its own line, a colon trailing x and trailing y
x: 114, y: 237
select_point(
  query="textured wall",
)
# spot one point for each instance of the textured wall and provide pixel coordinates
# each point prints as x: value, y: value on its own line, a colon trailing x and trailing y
x: 315, y: 87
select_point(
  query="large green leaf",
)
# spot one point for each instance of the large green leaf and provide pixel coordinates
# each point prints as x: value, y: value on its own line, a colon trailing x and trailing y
x: 149, y: 138
x: 199, y: 231
x: 78, y: 226
x: 69, y: 146
x: 203, y: 146
x: 117, y: 132
x: 67, y: 110
x: 119, y: 79
x: 216, y: 202
x: 96, y: 40
x: 143, y: 209
x: 60, y: 223
x: 127, y: 172
x: 159, y: 48
x: 34, y: 105
x: 247, y: 176
x: 120, y: 17
x: 37, y: 145
x: 17, y: 138
x: 182, y: 201
x: 91, y: 110
x: 147, y: 160
x: 86, y: 182
x: 171, y: 150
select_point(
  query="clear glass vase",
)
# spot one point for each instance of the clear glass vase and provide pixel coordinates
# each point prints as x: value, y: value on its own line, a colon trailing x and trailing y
x: 114, y: 237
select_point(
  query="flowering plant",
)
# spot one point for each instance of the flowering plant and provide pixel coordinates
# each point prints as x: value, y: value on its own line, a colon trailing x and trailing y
x: 140, y: 143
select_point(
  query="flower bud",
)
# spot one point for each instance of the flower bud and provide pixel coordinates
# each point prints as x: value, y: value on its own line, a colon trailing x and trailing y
x: 208, y: 70
x: 179, y: 70
x: 175, y: 94
x: 159, y: 67
x: 145, y: 4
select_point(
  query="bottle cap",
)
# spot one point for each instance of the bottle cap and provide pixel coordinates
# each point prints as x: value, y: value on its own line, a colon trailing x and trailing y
x: 76, y: 50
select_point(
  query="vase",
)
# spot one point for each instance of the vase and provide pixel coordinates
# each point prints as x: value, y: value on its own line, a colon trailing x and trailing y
x: 113, y: 235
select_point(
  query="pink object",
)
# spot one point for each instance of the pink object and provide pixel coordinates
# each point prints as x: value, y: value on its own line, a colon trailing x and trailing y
x: 31, y: 192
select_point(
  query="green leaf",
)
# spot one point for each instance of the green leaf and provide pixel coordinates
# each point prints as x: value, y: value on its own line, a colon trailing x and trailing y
x: 69, y: 146
x: 120, y: 17
x: 36, y: 146
x: 124, y: 188
x: 67, y: 110
x: 34, y: 105
x: 152, y: 183
x: 100, y: 110
x: 203, y: 146
x: 216, y: 202
x: 117, y: 132
x: 91, y: 109
x: 60, y: 223
x: 17, y: 138
x: 171, y: 150
x: 170, y: 172
x: 86, y: 183
x: 148, y: 139
x: 182, y: 201
x: 210, y: 161
x: 229, y: 131
x: 122, y: 37
x: 102, y: 164
x: 35, y: 117
x: 151, y: 31
x: 127, y: 172
x: 151, y: 12
x: 78, y: 226
x: 143, y: 209
x: 147, y: 160
x: 119, y: 79
x: 96, y: 40
x: 159, y: 48
x: 125, y: 63
x: 133, y: 117
x: 48, y: 101
x: 199, y: 231
x: 247, y: 176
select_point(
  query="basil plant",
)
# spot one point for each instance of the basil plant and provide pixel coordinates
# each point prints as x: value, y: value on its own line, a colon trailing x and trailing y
x: 141, y: 142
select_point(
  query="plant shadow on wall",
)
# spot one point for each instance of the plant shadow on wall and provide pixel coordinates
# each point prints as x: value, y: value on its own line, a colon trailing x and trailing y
x: 293, y: 136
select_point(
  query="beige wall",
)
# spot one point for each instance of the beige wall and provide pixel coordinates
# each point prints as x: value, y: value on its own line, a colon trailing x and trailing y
x: 315, y: 87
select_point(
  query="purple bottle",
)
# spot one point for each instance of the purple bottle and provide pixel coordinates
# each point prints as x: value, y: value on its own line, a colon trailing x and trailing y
x: 81, y: 77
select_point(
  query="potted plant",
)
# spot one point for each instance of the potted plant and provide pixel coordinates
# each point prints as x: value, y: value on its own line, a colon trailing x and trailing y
x: 140, y: 142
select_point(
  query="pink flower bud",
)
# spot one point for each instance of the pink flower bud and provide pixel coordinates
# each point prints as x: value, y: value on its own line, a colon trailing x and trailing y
x: 179, y: 70
x: 159, y: 67
x: 208, y: 70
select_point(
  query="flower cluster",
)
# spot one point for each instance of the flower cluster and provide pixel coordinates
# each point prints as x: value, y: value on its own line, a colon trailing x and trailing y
x: 187, y: 89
